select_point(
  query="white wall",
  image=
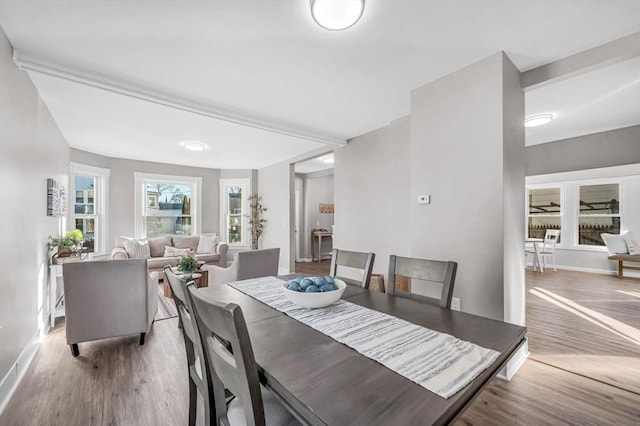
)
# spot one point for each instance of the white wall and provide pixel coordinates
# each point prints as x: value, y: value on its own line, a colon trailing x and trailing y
x: 32, y: 150
x: 372, y: 194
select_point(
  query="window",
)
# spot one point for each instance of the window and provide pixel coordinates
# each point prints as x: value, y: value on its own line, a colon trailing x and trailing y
x: 90, y: 205
x: 233, y: 214
x: 598, y: 212
x: 545, y: 211
x: 167, y: 205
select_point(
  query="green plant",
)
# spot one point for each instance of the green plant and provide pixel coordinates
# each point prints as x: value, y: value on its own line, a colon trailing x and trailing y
x: 70, y: 240
x: 187, y: 264
x: 256, y: 222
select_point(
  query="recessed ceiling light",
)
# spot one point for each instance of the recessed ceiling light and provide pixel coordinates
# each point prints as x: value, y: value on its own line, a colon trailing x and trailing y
x: 193, y: 145
x: 538, y: 120
x: 336, y: 15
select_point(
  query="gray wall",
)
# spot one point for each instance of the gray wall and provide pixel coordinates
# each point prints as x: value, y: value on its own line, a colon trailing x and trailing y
x: 121, y: 190
x: 277, y: 191
x: 605, y: 149
x: 33, y: 149
x: 467, y: 152
x: 372, y: 194
x: 316, y: 188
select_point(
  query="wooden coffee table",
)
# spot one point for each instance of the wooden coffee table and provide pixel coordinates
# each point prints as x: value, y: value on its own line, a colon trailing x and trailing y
x: 201, y: 278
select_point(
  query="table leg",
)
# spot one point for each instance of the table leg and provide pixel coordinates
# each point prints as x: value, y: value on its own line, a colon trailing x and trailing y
x: 319, y: 248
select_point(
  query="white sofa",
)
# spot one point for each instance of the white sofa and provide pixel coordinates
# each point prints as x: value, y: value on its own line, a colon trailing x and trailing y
x: 158, y: 260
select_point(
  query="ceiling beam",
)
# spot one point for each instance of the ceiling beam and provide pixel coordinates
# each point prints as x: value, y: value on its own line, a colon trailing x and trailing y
x: 589, y: 60
x: 29, y: 62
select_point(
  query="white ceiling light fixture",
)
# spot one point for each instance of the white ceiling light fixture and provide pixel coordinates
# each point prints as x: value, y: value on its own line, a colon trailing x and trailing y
x: 538, y: 120
x: 328, y: 159
x: 193, y: 145
x: 336, y: 15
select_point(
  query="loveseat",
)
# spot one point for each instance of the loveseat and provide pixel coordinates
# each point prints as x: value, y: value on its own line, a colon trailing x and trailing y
x: 168, y: 249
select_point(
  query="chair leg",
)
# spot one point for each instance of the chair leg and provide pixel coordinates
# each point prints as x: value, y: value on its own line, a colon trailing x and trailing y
x: 193, y: 402
x: 142, y: 336
x: 553, y: 259
x: 74, y: 350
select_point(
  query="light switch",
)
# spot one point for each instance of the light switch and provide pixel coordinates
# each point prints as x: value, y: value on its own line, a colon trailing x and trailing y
x: 424, y: 199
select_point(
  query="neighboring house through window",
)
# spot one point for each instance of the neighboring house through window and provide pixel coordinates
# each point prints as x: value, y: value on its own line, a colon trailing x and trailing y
x: 167, y: 204
x: 89, y: 189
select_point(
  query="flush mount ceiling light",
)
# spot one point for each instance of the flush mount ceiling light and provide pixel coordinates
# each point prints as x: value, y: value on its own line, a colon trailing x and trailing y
x: 328, y: 159
x: 193, y: 145
x: 336, y: 15
x: 537, y: 120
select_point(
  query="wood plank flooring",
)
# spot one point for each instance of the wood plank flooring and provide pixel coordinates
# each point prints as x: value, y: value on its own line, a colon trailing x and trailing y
x: 118, y: 382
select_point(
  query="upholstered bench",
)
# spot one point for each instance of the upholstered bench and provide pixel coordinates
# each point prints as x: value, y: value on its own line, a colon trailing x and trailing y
x: 621, y: 258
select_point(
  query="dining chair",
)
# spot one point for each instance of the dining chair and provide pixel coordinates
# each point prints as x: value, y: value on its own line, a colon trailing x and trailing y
x: 246, y: 264
x: 551, y: 237
x: 232, y: 365
x: 352, y: 259
x: 423, y: 272
x: 198, y: 373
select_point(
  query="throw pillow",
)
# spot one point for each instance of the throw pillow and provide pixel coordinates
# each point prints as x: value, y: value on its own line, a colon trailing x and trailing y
x: 156, y: 245
x: 634, y: 247
x: 615, y: 243
x: 207, y: 244
x: 137, y: 249
x: 170, y: 251
x: 185, y: 241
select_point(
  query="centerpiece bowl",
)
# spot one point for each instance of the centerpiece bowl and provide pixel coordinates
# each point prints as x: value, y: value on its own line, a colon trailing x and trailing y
x: 315, y: 299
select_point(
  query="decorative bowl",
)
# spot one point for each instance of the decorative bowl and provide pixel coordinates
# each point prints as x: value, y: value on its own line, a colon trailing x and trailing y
x: 315, y: 300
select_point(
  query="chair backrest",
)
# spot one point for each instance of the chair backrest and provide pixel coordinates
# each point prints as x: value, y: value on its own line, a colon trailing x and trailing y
x: 189, y: 325
x: 353, y: 259
x: 229, y: 353
x: 550, y: 239
x: 257, y: 263
x: 434, y: 271
x: 108, y: 299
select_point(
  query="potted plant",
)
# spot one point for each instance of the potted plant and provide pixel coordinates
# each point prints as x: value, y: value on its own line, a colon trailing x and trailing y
x: 67, y: 245
x: 256, y: 222
x: 188, y: 264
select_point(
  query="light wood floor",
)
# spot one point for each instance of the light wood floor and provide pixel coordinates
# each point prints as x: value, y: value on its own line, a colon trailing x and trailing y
x: 118, y: 382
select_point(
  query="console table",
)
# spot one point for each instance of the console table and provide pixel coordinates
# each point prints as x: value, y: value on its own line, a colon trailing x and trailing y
x: 316, y: 237
x: 55, y: 272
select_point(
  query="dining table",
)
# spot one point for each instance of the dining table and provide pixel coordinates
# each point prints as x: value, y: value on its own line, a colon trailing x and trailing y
x: 324, y: 382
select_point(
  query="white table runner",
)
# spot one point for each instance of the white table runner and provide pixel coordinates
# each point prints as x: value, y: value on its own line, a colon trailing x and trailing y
x: 436, y: 361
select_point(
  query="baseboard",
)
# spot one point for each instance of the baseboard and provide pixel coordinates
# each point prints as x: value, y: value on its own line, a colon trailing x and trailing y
x: 516, y: 361
x: 12, y: 379
x: 592, y: 270
x: 304, y: 259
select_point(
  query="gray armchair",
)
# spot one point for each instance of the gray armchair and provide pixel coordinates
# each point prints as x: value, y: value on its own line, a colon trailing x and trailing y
x: 246, y: 264
x: 108, y: 299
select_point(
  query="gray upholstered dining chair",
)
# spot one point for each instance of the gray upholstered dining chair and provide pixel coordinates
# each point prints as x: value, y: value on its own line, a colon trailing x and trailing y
x: 424, y: 273
x: 198, y: 373
x: 246, y: 264
x: 363, y: 262
x: 232, y: 365
x: 111, y: 298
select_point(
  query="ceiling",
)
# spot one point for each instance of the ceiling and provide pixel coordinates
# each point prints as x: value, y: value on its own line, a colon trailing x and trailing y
x: 280, y: 86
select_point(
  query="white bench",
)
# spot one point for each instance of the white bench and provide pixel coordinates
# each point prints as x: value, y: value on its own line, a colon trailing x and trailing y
x: 621, y: 258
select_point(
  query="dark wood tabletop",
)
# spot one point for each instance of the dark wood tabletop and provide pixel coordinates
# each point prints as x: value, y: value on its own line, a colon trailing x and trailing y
x: 325, y: 382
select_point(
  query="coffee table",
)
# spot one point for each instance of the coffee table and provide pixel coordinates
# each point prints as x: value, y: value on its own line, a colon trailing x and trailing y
x: 201, y: 278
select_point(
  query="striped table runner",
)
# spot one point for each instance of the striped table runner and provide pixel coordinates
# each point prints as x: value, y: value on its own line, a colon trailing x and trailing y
x: 436, y: 361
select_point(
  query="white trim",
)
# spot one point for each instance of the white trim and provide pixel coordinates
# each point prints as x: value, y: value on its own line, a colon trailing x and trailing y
x: 516, y: 361
x: 31, y: 62
x: 140, y: 198
x: 245, y: 183
x: 101, y: 200
x: 12, y: 379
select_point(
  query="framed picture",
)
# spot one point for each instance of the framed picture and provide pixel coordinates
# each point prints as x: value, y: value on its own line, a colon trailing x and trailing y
x: 56, y: 199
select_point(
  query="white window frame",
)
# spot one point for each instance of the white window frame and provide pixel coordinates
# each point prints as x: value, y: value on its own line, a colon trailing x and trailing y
x: 140, y: 199
x: 245, y: 184
x: 576, y: 208
x: 100, y: 200
x: 561, y: 215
